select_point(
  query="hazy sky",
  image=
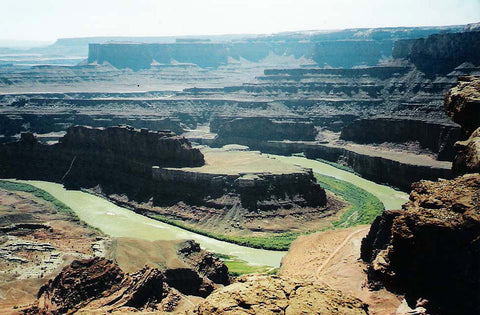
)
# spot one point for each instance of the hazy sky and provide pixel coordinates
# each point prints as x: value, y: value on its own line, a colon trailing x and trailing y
x: 52, y: 19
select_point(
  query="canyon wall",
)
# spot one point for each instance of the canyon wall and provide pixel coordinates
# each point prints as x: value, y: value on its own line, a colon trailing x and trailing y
x: 377, y: 168
x: 42, y: 123
x: 435, y: 136
x: 250, y: 130
x: 440, y: 53
x: 141, y: 165
x: 118, y: 159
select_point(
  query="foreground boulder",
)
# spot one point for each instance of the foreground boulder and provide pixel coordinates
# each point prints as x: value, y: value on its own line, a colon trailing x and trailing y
x: 256, y: 294
x: 431, y: 251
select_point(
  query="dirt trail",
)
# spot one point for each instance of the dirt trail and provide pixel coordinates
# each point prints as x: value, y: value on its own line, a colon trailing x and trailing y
x: 331, y: 258
x: 337, y: 250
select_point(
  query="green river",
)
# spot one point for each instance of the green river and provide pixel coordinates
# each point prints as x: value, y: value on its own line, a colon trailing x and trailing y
x: 121, y: 222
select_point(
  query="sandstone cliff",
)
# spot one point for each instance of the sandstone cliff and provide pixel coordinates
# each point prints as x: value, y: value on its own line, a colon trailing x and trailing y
x: 260, y: 191
x: 462, y: 103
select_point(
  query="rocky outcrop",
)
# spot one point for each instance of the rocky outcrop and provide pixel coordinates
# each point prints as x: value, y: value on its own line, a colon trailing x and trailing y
x: 438, y: 137
x: 99, y: 285
x: 257, y: 294
x: 204, y: 262
x: 462, y: 103
x: 118, y: 159
x: 468, y: 155
x: 430, y: 246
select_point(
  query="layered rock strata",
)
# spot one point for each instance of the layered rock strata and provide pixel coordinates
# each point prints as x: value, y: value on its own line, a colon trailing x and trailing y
x: 343, y: 48
x: 441, y: 53
x: 255, y: 129
x: 261, y: 191
x: 394, y: 168
x: 437, y: 137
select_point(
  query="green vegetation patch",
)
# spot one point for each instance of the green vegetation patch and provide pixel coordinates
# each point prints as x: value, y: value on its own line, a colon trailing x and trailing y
x: 39, y: 193
x: 238, y: 267
x: 364, y: 206
x: 279, y: 241
x: 339, y: 166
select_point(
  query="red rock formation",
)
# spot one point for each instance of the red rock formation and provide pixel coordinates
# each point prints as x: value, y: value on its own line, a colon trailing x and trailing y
x: 101, y: 283
x: 97, y: 284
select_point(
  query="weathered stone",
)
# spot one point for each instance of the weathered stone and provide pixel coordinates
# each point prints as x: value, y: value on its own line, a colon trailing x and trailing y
x: 256, y: 294
x: 462, y: 103
x: 204, y: 262
x: 99, y: 285
x: 468, y: 155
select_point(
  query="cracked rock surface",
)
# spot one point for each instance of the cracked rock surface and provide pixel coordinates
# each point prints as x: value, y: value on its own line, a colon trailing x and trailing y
x: 261, y: 294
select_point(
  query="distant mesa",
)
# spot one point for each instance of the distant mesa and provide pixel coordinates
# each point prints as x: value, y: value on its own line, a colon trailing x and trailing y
x: 346, y: 48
